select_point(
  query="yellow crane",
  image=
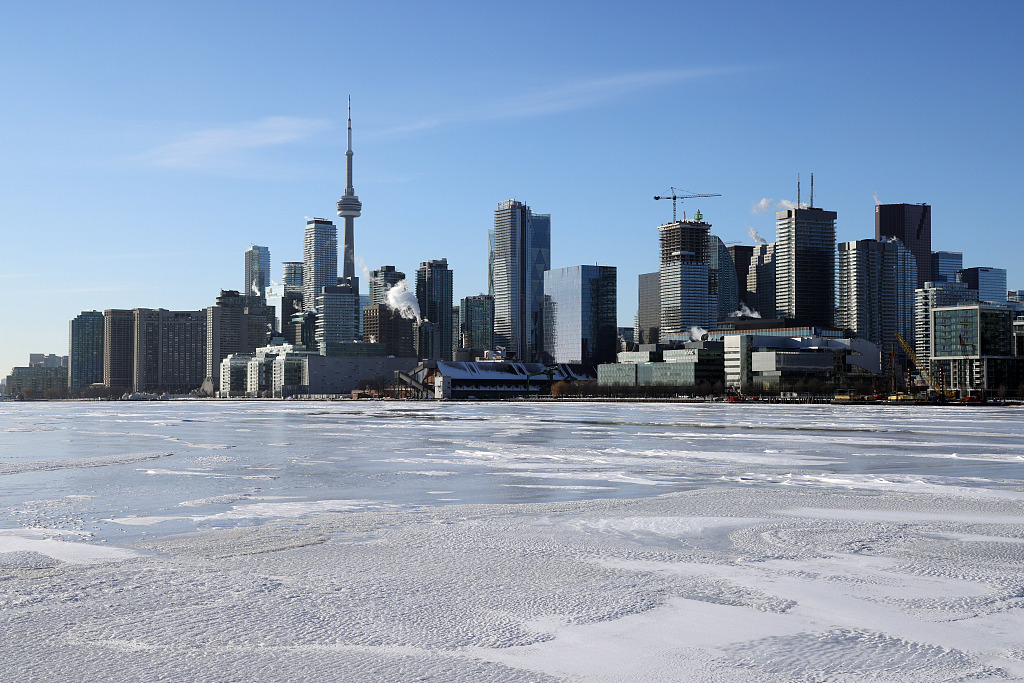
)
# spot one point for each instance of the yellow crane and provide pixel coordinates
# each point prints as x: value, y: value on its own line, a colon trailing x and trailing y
x: 925, y: 373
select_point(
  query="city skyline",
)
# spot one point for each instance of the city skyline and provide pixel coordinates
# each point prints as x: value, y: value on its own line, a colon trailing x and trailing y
x: 166, y: 167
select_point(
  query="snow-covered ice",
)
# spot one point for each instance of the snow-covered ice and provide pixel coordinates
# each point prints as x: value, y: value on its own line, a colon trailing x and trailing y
x: 605, y: 542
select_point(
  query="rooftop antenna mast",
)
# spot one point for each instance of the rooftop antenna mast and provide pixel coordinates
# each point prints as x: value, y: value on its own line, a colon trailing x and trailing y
x: 798, y: 190
x: 812, y: 192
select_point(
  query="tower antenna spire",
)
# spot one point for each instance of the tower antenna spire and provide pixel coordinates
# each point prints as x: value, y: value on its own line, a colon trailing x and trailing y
x: 349, y: 208
x: 797, y: 191
x: 812, y: 191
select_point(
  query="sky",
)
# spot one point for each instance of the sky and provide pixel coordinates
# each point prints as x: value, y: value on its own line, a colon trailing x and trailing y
x: 145, y: 146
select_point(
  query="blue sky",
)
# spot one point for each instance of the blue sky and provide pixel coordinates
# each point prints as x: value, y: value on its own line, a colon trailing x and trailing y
x: 145, y: 146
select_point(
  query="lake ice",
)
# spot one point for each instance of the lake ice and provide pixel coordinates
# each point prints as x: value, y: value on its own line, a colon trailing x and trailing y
x: 240, y: 541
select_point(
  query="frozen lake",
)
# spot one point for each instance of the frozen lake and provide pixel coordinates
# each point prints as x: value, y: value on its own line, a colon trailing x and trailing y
x: 239, y: 541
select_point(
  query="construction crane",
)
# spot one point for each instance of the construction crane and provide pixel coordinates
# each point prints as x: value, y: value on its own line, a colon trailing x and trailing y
x: 682, y: 194
x: 932, y: 384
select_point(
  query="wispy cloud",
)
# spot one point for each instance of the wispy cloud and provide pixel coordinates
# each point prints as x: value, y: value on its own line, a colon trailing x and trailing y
x: 225, y: 146
x: 554, y: 100
x: 768, y: 204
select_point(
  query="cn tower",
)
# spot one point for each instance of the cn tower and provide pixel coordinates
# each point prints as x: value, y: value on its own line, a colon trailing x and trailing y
x: 348, y: 208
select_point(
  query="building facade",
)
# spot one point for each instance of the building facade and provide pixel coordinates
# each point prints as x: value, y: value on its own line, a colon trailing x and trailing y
x: 876, y: 281
x: 257, y: 270
x: 944, y: 266
x: 805, y: 257
x: 383, y: 325
x: 912, y: 225
x: 989, y: 282
x: 381, y: 280
x: 935, y: 295
x: 118, y: 349
x: 580, y: 315
x: 237, y: 324
x: 434, y: 295
x: 648, y: 308
x: 685, y: 277
x: 476, y: 322
x: 761, y: 281
x: 170, y: 350
x: 337, y: 318
x: 320, y: 259
x: 85, y: 350
x: 520, y: 249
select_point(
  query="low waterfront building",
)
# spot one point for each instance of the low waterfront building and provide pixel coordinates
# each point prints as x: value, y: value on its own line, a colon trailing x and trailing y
x: 695, y: 364
x: 973, y: 349
x: 771, y: 364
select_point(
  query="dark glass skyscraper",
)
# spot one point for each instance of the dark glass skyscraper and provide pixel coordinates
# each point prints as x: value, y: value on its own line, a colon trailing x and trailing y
x: 805, y: 265
x: 912, y: 225
x: 434, y: 295
x: 580, y: 315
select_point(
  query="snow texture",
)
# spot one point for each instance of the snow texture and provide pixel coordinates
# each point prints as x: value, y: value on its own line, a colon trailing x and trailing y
x: 842, y: 545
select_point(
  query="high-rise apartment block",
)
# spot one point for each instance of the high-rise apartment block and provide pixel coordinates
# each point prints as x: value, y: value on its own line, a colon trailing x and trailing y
x: 85, y: 350
x: 118, y: 349
x: 945, y: 264
x: 434, y: 295
x: 257, y: 270
x: 383, y: 325
x: 912, y: 225
x: 805, y: 257
x: 170, y: 350
x: 292, y: 274
x: 580, y: 315
x: 320, y: 259
x: 521, y: 252
x: 237, y: 324
x: 381, y: 280
x: 687, y: 296
x: 722, y: 271
x: 648, y: 311
x: 337, y: 319
x: 476, y: 322
x: 876, y: 283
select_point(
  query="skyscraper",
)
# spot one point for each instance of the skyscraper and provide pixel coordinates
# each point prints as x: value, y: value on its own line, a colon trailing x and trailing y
x: 805, y: 257
x: 118, y: 348
x: 521, y: 253
x: 292, y: 274
x: 85, y: 350
x: 257, y: 270
x: 741, y: 255
x: 876, y: 283
x: 434, y: 295
x: 761, y: 281
x: 476, y: 321
x: 383, y: 325
x: 990, y: 283
x: 580, y: 315
x: 337, y: 320
x: 237, y: 323
x: 687, y: 299
x: 912, y: 225
x: 320, y: 259
x: 648, y: 311
x: 945, y: 264
x: 381, y: 280
x: 722, y: 271
x: 170, y: 350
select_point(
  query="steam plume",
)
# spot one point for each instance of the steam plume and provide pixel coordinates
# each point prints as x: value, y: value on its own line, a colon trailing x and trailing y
x: 403, y: 301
